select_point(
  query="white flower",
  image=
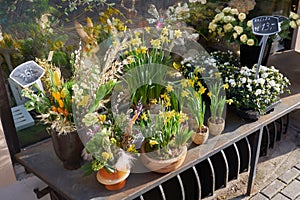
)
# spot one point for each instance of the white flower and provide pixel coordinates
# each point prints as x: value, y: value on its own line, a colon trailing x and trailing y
x: 227, y: 27
x: 238, y: 29
x: 250, y: 42
x: 226, y: 10
x: 243, y: 80
x: 249, y: 23
x: 294, y: 16
x: 212, y: 26
x: 219, y: 16
x: 272, y: 83
x: 293, y: 24
x: 227, y: 19
x: 261, y: 81
x: 234, y: 11
x: 243, y: 38
x: 258, y: 92
x: 242, y: 17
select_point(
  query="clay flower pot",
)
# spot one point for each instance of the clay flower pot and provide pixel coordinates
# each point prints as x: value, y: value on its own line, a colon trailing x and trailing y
x: 163, y: 166
x: 112, y: 181
x: 216, y: 128
x: 201, y: 135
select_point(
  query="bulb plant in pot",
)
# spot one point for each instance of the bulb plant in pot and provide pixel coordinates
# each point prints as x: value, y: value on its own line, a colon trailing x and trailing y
x: 197, y: 107
x: 216, y: 122
x: 164, y: 147
x: 54, y: 107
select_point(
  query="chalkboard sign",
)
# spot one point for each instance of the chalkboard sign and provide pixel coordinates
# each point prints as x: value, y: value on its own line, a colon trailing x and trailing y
x: 281, y: 18
x: 265, y: 25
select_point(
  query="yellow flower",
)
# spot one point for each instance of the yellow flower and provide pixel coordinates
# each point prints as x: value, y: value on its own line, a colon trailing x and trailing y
x: 229, y: 101
x: 168, y: 104
x: 144, y: 49
x: 184, y: 93
x: 191, y: 82
x: 156, y: 43
x: 56, y: 78
x: 165, y: 31
x: 177, y: 33
x: 113, y: 140
x: 176, y: 65
x: 152, y: 142
x: 147, y: 29
x: 131, y: 148
x: 209, y: 94
x: 199, y: 84
x: 64, y: 92
x: 202, y: 90
x: 61, y: 103
x: 169, y: 88
x: 137, y: 33
x: 102, y: 118
x: 218, y: 74
x: 144, y: 116
x: 226, y: 86
x: 184, y: 83
x: 136, y: 41
x: 56, y: 95
x: 154, y: 101
x: 182, y: 117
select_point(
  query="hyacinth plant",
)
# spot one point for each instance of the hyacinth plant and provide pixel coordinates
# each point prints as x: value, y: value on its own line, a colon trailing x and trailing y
x: 54, y: 103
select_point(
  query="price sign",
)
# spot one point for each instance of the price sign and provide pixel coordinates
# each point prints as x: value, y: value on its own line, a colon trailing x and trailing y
x: 265, y: 25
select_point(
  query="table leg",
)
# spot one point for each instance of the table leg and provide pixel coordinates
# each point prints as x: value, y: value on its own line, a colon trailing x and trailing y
x: 254, y: 160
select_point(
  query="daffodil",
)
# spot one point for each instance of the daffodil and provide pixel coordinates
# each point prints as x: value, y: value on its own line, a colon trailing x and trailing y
x: 229, y: 101
x: 156, y: 43
x: 184, y: 93
x: 202, y: 90
x: 152, y: 143
x: 144, y: 116
x: 153, y: 101
x: 226, y: 86
x: 169, y: 88
x: 102, y: 118
x: 177, y: 34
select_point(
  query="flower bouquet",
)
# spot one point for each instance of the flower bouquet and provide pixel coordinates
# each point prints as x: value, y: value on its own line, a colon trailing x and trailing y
x: 54, y: 107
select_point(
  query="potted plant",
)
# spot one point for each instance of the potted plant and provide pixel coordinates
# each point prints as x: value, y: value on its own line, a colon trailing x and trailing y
x: 197, y: 107
x: 216, y: 122
x: 164, y: 147
x: 54, y: 107
x: 234, y: 27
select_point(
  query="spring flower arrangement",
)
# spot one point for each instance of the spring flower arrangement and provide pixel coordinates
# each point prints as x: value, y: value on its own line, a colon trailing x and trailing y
x: 244, y: 91
x: 54, y: 104
x: 233, y: 26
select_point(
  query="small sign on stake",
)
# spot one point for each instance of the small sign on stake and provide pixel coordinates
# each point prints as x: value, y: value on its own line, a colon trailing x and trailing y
x: 264, y: 26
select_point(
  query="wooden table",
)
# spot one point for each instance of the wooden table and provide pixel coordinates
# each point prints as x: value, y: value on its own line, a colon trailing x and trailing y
x: 41, y: 160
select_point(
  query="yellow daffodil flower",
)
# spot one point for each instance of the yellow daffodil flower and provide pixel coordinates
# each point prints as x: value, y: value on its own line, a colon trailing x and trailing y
x: 144, y: 116
x: 226, y: 86
x: 169, y: 88
x: 152, y: 143
x: 102, y: 118
x: 229, y: 101
x: 202, y: 90
x: 153, y: 101
x: 177, y: 33
x: 184, y: 93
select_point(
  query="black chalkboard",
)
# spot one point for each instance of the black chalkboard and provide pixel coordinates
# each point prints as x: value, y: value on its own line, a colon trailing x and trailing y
x: 265, y: 25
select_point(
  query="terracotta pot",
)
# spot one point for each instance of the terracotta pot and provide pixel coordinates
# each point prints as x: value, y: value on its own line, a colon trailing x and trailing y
x: 163, y: 166
x: 68, y: 148
x: 216, y: 128
x: 201, y: 135
x: 112, y: 181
